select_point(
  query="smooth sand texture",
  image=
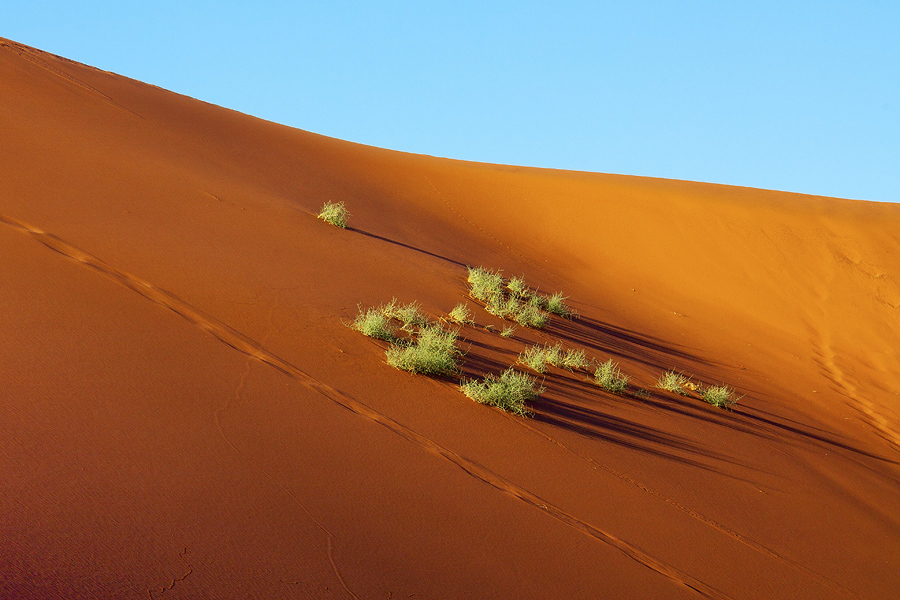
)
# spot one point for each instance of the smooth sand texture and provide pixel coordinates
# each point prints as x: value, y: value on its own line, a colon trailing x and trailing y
x: 185, y: 415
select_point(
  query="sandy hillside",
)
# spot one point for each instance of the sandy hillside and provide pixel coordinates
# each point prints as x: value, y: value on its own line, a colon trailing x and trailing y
x: 186, y: 415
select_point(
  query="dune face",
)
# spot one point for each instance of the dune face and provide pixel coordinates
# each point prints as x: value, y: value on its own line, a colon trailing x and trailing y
x: 185, y: 413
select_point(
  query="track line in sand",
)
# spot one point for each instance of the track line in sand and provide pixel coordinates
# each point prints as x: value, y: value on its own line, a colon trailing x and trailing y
x: 237, y: 397
x: 252, y: 349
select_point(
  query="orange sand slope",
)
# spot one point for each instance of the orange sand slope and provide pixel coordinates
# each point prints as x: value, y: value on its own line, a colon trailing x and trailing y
x: 186, y: 415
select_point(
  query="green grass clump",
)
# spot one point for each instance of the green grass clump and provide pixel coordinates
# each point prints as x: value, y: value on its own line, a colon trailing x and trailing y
x: 556, y: 304
x: 535, y: 358
x: 433, y: 352
x: 410, y: 315
x: 374, y: 323
x: 335, y: 213
x: 554, y: 355
x: 507, y: 331
x: 720, y: 396
x: 517, y: 287
x: 485, y: 285
x: 575, y: 359
x: 511, y: 299
x: 531, y: 316
x: 510, y: 391
x: 672, y: 381
x: 538, y: 357
x: 461, y: 314
x: 610, y: 377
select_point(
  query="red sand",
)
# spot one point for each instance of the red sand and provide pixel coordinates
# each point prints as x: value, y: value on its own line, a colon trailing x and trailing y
x: 186, y: 416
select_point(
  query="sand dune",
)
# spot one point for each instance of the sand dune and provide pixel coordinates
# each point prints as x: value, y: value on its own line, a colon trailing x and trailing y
x: 186, y: 414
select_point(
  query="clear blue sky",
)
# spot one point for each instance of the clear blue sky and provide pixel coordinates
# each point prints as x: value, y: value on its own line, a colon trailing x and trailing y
x: 796, y: 96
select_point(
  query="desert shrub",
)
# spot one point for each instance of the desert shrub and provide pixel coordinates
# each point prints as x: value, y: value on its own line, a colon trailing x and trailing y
x: 374, y: 323
x: 461, y: 314
x: 507, y: 331
x: 510, y: 391
x: 535, y: 358
x: 410, y: 315
x: 517, y: 287
x: 538, y: 301
x: 575, y: 359
x: 335, y: 213
x: 610, y: 377
x: 556, y: 304
x: 433, y: 352
x: 673, y: 382
x: 554, y: 355
x: 720, y: 396
x: 530, y: 316
x: 505, y: 307
x: 518, y: 302
x: 485, y: 285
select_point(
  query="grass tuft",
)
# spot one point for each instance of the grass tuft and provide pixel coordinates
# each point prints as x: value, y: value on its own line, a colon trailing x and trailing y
x: 554, y: 355
x: 517, y: 287
x: 672, y: 381
x: 575, y: 360
x: 410, y: 315
x: 374, y: 323
x: 508, y: 330
x: 485, y: 285
x: 535, y: 358
x: 461, y: 314
x: 335, y: 213
x: 610, y: 377
x: 510, y: 391
x: 531, y: 316
x: 720, y: 396
x: 434, y: 352
x: 556, y: 304
x: 511, y: 299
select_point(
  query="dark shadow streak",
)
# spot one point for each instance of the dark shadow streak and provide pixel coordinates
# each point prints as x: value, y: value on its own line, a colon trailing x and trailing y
x: 407, y: 246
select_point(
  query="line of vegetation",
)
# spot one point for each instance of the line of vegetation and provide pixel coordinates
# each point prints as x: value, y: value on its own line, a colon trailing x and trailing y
x: 513, y: 300
x: 510, y: 391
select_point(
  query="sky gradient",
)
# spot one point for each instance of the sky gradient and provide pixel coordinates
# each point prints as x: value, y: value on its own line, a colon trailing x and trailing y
x: 795, y: 96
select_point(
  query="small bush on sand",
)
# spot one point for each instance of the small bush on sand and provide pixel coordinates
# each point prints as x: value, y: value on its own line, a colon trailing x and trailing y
x: 410, y: 315
x: 513, y: 299
x: 535, y: 358
x: 335, y: 213
x: 530, y: 316
x: 556, y: 304
x: 674, y: 382
x: 433, y: 352
x: 374, y: 323
x: 517, y: 287
x: 720, y: 396
x: 575, y: 359
x: 554, y: 355
x: 510, y: 391
x: 461, y: 314
x: 610, y: 377
x: 538, y: 357
x: 507, y: 331
x: 485, y: 285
